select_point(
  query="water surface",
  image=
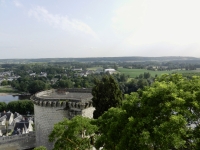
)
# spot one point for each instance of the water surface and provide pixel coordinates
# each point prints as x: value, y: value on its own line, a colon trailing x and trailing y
x: 9, y: 98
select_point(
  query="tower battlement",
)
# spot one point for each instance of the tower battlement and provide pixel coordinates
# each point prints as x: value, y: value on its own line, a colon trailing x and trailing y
x: 52, y: 106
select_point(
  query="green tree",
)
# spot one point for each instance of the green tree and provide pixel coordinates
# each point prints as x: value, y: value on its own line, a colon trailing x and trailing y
x: 123, y: 78
x: 40, y: 148
x: 74, y: 134
x: 141, y: 83
x: 115, y: 67
x: 22, y: 106
x: 50, y: 76
x: 3, y: 106
x: 36, y: 86
x: 65, y: 83
x: 4, y: 82
x: 147, y: 75
x: 158, y: 117
x: 106, y: 94
x: 131, y: 86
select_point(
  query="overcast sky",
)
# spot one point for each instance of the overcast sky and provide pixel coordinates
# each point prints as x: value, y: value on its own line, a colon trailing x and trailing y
x: 99, y: 28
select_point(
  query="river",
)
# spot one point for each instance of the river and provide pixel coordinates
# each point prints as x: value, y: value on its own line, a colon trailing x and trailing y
x: 8, y: 98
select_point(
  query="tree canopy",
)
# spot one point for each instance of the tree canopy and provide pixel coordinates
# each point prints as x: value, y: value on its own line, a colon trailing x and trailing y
x: 21, y: 106
x: 36, y: 86
x: 3, y: 106
x: 40, y: 148
x: 106, y: 94
x: 161, y: 117
x: 74, y: 134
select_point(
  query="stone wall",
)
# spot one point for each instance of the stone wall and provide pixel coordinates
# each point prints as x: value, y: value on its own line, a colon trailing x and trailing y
x: 44, y: 92
x: 88, y: 112
x: 53, y: 109
x: 18, y: 142
x: 45, y: 118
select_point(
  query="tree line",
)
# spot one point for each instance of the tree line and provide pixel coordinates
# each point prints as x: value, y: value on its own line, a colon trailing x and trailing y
x: 23, y: 107
x: 62, y: 75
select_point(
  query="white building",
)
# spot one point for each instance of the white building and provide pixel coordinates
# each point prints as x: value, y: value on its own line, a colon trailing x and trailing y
x: 110, y: 71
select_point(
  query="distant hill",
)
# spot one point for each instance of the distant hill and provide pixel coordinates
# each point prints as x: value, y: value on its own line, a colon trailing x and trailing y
x: 103, y: 59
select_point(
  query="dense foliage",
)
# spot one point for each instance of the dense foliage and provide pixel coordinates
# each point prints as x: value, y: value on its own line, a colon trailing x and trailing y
x: 139, y: 82
x: 21, y: 106
x: 162, y: 116
x: 74, y: 134
x: 3, y: 106
x: 106, y: 94
x: 40, y: 148
x: 30, y: 85
x: 36, y: 86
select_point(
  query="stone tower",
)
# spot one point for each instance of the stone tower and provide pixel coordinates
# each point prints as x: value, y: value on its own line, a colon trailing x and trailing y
x: 53, y: 106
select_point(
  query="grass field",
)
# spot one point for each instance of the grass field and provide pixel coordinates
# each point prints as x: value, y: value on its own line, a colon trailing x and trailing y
x: 136, y: 72
x: 7, y: 89
x: 94, y: 68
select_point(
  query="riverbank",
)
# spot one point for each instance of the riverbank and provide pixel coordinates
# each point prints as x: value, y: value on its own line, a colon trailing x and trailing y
x: 8, y: 97
x: 4, y: 94
x: 14, y: 94
x: 8, y: 89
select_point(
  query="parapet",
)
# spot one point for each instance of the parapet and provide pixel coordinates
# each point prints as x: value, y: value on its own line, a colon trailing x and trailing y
x: 52, y: 106
x: 74, y: 99
x: 16, y: 137
x: 22, y: 141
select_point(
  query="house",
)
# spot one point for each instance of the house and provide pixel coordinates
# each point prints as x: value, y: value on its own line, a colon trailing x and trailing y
x: 32, y: 74
x: 54, y: 80
x: 43, y: 74
x: 110, y: 71
x: 14, y: 124
x: 89, y: 72
x: 3, y: 120
x: 23, y: 127
x: 17, y: 118
x: 6, y: 117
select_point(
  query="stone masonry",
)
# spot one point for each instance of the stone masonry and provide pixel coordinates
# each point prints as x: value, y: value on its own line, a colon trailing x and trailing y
x: 53, y: 106
x: 18, y: 142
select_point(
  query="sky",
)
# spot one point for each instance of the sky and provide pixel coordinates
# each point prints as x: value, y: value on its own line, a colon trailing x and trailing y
x: 99, y: 28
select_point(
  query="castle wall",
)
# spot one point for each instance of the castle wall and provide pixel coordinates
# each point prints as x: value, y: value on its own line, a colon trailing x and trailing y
x: 88, y: 112
x: 18, y: 142
x: 53, y: 106
x: 44, y: 92
x: 45, y: 118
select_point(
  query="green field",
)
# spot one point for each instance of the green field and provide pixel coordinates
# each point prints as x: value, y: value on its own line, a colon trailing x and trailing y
x: 7, y: 89
x: 94, y: 68
x: 136, y: 72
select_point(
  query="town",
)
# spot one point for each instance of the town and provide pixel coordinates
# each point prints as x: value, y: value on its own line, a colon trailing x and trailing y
x: 100, y: 75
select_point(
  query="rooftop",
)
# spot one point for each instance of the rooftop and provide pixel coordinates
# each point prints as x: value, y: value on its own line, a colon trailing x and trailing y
x: 74, y: 95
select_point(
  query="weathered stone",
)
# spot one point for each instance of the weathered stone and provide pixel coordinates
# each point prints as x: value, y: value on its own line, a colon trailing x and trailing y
x: 53, y: 106
x: 18, y: 142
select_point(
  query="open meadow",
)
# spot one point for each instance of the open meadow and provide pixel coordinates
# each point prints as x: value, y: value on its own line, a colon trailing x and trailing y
x: 136, y: 72
x: 7, y: 89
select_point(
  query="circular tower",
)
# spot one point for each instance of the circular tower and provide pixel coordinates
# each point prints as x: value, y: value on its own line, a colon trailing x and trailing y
x: 52, y: 106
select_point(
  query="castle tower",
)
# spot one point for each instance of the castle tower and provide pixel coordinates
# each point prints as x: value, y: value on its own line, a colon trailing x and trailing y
x: 52, y: 106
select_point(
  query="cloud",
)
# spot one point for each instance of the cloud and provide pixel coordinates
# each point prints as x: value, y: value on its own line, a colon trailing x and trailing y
x: 63, y: 22
x: 129, y: 17
x: 155, y: 22
x: 17, y: 4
